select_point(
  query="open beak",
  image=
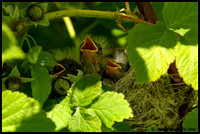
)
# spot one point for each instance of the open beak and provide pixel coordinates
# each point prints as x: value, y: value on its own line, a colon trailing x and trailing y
x: 89, y: 50
x: 58, y: 70
x: 89, y: 46
x: 113, y: 69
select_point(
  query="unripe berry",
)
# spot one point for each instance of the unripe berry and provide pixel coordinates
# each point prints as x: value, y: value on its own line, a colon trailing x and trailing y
x: 19, y: 27
x: 13, y: 83
x: 35, y: 12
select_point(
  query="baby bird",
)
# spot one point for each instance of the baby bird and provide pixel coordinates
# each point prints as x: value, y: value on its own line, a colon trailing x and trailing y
x: 91, y: 57
x: 114, y: 70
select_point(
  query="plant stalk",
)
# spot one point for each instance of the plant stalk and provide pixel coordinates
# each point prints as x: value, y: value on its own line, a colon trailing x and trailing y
x: 95, y: 14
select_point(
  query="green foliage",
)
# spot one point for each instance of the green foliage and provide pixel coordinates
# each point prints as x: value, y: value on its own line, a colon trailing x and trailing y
x: 85, y: 105
x: 60, y: 114
x: 33, y: 54
x: 190, y: 124
x: 10, y: 49
x: 188, y: 64
x: 84, y: 92
x: 23, y: 114
x: 153, y: 48
x: 41, y: 85
x: 91, y: 107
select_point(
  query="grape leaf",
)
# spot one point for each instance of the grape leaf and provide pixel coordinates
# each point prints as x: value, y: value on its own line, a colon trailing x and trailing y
x: 17, y: 109
x: 41, y: 85
x: 61, y: 114
x: 187, y: 63
x: 10, y: 49
x: 190, y: 123
x: 151, y: 50
x: 85, y: 90
x: 111, y: 107
x: 84, y: 122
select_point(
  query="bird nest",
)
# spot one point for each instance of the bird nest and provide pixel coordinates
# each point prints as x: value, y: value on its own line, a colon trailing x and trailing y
x: 155, y: 103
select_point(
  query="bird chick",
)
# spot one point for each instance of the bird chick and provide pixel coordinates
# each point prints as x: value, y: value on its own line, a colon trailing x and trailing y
x: 91, y: 57
x: 114, y: 70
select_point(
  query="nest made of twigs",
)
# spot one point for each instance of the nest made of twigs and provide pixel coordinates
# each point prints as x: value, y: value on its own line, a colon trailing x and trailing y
x: 154, y: 103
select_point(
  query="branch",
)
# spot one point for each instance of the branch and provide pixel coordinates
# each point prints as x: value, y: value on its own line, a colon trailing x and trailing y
x: 95, y: 14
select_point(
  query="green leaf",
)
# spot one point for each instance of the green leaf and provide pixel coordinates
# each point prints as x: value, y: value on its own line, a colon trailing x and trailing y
x: 44, y: 6
x: 84, y: 122
x: 111, y: 107
x: 187, y: 63
x: 182, y: 15
x: 190, y: 123
x: 74, y: 78
x: 41, y: 85
x: 16, y: 13
x: 46, y: 59
x: 43, y: 22
x: 32, y: 55
x: 14, y: 72
x: 151, y: 50
x: 37, y: 123
x: 61, y: 114
x: 121, y: 127
x: 15, y: 108
x: 10, y: 50
x: 85, y: 90
x: 158, y: 7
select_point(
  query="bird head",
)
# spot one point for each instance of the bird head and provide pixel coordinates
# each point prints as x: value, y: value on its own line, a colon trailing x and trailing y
x: 113, y: 70
x: 91, y: 56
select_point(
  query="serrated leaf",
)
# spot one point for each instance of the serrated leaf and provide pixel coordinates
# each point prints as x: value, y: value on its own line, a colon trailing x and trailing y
x: 190, y: 123
x: 15, y: 108
x: 10, y: 49
x: 182, y: 15
x: 46, y: 59
x: 41, y: 85
x: 85, y: 90
x: 187, y: 63
x: 150, y: 50
x: 61, y: 114
x: 84, y: 122
x: 111, y: 107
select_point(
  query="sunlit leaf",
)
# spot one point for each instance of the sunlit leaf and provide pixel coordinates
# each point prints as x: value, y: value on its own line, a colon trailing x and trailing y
x: 84, y: 122
x: 151, y: 50
x: 85, y: 90
x: 187, y: 63
x: 111, y: 107
x: 61, y: 114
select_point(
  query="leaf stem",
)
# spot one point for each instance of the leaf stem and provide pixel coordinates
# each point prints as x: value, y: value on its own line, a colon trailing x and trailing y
x: 95, y: 14
x: 29, y: 45
x: 32, y: 40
